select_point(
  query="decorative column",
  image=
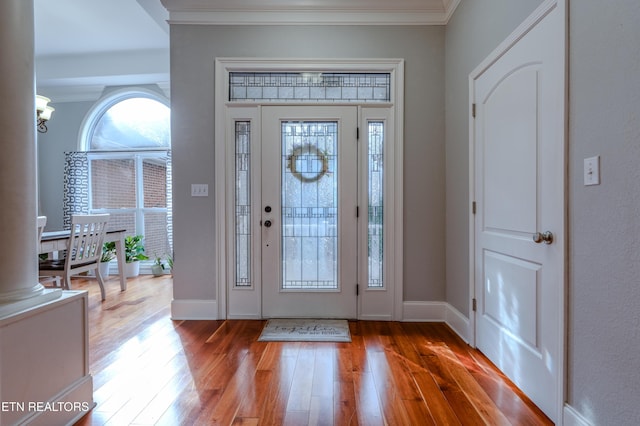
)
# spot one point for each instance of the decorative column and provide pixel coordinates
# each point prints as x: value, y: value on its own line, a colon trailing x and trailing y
x: 30, y: 316
x: 18, y: 208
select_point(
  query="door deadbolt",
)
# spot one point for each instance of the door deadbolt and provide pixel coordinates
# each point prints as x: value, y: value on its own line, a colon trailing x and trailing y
x: 267, y: 209
x: 544, y: 237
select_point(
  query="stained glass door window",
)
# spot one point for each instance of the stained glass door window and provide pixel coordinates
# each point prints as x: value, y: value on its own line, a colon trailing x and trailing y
x: 243, y: 236
x: 375, y: 204
x: 309, y: 205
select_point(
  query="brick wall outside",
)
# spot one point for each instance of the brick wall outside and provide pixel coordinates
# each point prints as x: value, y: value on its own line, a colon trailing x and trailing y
x: 154, y: 178
x: 114, y: 186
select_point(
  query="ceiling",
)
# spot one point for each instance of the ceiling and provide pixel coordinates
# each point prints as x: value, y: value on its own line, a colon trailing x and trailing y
x: 72, y: 27
x: 81, y: 46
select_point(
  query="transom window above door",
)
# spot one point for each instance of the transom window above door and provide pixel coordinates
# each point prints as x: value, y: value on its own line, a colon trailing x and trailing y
x: 310, y: 87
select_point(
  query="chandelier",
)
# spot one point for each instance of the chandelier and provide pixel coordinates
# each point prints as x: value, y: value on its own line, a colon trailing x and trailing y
x: 43, y: 112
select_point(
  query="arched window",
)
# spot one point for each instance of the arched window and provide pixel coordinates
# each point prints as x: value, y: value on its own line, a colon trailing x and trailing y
x: 132, y: 124
x: 127, y: 141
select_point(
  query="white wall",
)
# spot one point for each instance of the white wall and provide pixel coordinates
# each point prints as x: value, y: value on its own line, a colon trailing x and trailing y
x: 193, y: 49
x: 61, y: 137
x: 604, y: 220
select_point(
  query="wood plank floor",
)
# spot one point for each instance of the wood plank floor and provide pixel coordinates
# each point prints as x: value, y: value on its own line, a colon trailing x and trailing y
x: 150, y: 370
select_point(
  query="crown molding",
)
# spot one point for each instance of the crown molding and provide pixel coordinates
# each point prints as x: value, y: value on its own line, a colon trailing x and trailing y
x: 310, y: 12
x: 305, y: 18
x: 450, y: 7
x: 93, y: 92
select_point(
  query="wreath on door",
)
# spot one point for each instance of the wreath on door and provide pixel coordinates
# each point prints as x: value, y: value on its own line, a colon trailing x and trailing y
x: 307, y: 150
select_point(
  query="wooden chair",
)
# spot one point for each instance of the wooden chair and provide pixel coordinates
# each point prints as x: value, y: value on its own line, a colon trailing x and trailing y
x: 84, y: 250
x: 42, y: 222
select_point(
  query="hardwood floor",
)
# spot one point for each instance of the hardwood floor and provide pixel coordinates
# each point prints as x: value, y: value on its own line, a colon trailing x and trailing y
x: 148, y: 369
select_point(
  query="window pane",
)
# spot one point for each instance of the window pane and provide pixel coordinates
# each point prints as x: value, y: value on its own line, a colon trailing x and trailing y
x: 156, y: 242
x: 310, y: 87
x: 154, y: 176
x: 309, y: 205
x: 133, y: 124
x: 113, y: 183
x: 243, y: 204
x: 375, y: 204
x: 125, y: 221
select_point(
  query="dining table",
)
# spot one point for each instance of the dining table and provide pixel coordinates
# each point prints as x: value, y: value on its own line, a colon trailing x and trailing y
x: 55, y: 241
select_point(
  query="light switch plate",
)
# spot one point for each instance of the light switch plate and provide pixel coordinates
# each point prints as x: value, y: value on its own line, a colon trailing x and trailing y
x: 592, y: 171
x: 199, y: 190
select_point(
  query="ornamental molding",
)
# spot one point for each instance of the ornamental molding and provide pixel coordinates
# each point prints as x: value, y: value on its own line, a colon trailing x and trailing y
x: 310, y: 12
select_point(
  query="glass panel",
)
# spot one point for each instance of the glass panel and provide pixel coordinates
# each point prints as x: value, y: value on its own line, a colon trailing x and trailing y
x: 156, y: 242
x: 310, y: 86
x: 154, y: 179
x: 375, y: 204
x: 113, y: 183
x: 243, y: 204
x: 122, y: 221
x: 133, y: 124
x: 309, y: 205
x: 113, y: 191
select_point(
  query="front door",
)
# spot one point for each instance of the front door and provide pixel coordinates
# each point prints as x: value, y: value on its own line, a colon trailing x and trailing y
x: 308, y: 212
x: 519, y: 224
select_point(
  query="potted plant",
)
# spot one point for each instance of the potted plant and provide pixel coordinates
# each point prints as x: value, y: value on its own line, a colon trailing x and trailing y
x: 108, y: 254
x: 170, y: 263
x: 133, y: 253
x: 158, y: 267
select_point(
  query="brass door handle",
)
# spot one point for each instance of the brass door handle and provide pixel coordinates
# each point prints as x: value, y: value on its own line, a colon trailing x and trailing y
x: 543, y: 237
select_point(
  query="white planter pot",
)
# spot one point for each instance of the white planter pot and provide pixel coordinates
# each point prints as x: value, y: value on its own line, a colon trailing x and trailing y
x: 132, y: 269
x: 157, y: 270
x: 104, y: 270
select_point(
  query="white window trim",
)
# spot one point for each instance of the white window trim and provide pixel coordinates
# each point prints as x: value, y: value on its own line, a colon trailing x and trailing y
x: 223, y: 66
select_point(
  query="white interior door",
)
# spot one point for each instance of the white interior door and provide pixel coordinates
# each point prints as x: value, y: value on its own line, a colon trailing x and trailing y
x: 309, y: 200
x: 519, y: 189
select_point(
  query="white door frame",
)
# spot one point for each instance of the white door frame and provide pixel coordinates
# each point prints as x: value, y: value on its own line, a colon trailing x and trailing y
x: 543, y: 10
x: 394, y: 200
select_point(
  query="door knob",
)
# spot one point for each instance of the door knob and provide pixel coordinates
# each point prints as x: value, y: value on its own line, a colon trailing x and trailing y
x: 544, y: 237
x: 267, y: 223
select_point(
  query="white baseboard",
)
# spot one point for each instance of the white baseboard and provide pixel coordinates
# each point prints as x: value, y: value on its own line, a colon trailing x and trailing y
x: 570, y: 417
x: 423, y: 311
x: 459, y: 323
x: 245, y: 317
x: 66, y: 408
x: 437, y: 312
x: 375, y: 318
x: 191, y: 309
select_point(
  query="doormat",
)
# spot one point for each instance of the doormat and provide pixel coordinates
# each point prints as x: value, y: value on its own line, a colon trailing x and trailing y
x: 305, y: 330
